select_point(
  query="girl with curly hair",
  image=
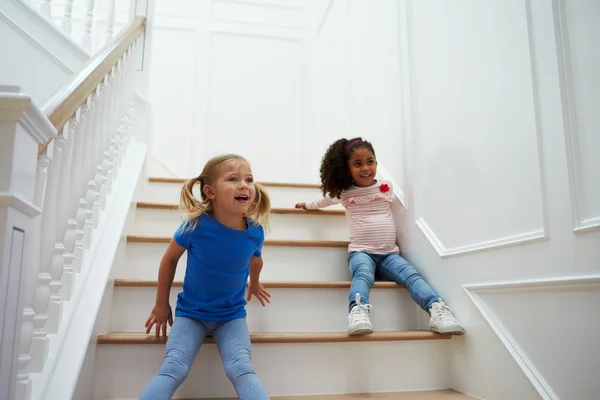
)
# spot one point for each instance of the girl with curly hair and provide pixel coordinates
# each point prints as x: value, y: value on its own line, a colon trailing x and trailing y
x: 348, y: 172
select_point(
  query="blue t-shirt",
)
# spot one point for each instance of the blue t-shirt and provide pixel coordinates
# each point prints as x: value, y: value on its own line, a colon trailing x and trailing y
x: 218, y: 263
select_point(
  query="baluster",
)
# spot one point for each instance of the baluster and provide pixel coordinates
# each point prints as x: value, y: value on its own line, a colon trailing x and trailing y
x: 110, y: 26
x: 58, y: 250
x: 87, y: 183
x: 118, y: 111
x: 67, y: 24
x: 103, y: 128
x: 39, y: 346
x: 77, y: 204
x: 114, y: 121
x: 107, y: 167
x: 66, y: 230
x: 95, y: 175
x: 23, y: 382
x: 127, y: 103
x: 86, y: 40
x: 113, y: 138
x: 46, y: 9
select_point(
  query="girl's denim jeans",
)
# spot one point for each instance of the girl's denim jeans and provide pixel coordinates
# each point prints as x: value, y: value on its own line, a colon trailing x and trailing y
x: 365, y: 267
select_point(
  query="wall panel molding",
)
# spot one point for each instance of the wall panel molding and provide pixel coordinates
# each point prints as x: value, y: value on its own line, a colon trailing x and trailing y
x: 536, y: 235
x: 581, y: 223
x: 568, y: 283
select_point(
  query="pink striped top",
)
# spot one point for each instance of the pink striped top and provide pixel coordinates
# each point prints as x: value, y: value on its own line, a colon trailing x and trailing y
x: 369, y: 215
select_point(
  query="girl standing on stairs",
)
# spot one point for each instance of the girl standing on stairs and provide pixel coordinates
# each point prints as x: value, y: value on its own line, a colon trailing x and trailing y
x: 223, y: 235
x: 348, y: 173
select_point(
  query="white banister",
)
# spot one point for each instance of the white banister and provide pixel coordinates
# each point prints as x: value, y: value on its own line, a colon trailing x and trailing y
x: 79, y: 19
x: 22, y: 128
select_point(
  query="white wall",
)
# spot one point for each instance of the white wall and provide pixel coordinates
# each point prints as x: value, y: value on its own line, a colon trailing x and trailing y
x: 502, y: 188
x: 35, y: 55
x: 484, y: 114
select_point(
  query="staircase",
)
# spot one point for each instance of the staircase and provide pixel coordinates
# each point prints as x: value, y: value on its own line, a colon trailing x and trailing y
x: 300, y: 343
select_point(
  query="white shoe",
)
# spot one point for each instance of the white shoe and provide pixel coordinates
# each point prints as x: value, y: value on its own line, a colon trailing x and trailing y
x: 442, y: 320
x: 358, y: 319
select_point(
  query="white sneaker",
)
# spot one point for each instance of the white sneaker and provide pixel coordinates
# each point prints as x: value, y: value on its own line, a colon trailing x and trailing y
x: 442, y: 320
x: 358, y: 319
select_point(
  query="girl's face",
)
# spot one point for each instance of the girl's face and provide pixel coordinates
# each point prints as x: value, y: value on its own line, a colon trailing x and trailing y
x: 363, y: 167
x: 233, y: 191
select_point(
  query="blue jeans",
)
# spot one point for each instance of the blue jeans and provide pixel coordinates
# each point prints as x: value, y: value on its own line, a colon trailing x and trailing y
x: 365, y: 267
x: 186, y: 337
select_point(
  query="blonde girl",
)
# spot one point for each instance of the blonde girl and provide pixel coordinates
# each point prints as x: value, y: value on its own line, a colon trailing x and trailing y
x: 223, y: 233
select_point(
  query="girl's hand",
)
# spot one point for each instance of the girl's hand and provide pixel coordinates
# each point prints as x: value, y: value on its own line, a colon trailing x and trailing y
x: 259, y: 291
x: 301, y: 205
x: 160, y: 315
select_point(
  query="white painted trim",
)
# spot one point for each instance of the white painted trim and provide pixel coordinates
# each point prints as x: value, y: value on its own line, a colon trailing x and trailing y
x: 260, y: 35
x: 537, y: 118
x: 323, y: 14
x: 544, y: 283
x: 588, y: 225
x: 267, y: 3
x: 250, y: 22
x: 24, y: 11
x: 508, y: 241
x: 494, y: 244
x: 581, y: 224
x: 18, y: 107
x: 67, y: 352
x: 560, y: 283
x: 11, y: 199
x: 397, y: 190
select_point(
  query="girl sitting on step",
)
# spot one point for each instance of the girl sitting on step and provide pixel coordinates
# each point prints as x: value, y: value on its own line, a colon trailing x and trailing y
x: 223, y: 235
x: 348, y: 173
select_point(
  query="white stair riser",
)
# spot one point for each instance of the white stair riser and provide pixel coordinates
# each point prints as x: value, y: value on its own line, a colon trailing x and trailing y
x: 280, y: 263
x: 290, y: 310
x: 153, y: 222
x: 285, y: 369
x: 280, y: 197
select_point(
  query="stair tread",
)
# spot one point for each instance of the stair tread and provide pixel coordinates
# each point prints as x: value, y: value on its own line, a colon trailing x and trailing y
x: 267, y: 184
x: 274, y: 210
x: 267, y: 284
x: 284, y: 337
x: 269, y: 242
x: 443, y: 394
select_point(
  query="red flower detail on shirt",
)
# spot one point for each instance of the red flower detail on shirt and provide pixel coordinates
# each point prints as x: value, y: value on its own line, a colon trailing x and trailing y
x: 384, y: 187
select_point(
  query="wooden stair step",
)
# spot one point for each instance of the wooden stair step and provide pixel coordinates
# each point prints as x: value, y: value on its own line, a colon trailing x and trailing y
x: 267, y: 184
x: 284, y: 337
x: 275, y: 210
x: 273, y: 243
x: 443, y: 394
x: 269, y: 285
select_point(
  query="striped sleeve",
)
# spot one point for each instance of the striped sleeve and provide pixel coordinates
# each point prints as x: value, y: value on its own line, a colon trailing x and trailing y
x: 322, y: 203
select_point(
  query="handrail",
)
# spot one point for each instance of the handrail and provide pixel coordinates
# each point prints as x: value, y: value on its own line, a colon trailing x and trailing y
x: 75, y: 92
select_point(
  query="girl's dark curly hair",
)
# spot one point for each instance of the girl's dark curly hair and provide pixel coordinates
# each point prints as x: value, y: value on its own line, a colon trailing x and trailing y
x: 335, y: 174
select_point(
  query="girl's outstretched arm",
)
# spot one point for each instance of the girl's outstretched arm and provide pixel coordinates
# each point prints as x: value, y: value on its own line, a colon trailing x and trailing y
x: 319, y: 203
x: 254, y: 286
x: 161, y: 313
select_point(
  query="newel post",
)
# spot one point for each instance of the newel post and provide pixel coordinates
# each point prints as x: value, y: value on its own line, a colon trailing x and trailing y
x: 22, y: 129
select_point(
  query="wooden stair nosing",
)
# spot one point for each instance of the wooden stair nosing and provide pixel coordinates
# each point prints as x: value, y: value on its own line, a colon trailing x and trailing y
x: 284, y: 337
x: 269, y: 285
x: 275, y: 210
x: 273, y: 243
x: 440, y: 394
x: 267, y: 184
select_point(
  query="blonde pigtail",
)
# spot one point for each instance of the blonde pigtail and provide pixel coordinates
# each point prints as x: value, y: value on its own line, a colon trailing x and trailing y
x: 191, y: 205
x: 261, y: 207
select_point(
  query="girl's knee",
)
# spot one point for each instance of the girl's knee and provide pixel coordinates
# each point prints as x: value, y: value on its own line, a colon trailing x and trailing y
x: 238, y: 366
x: 175, y: 369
